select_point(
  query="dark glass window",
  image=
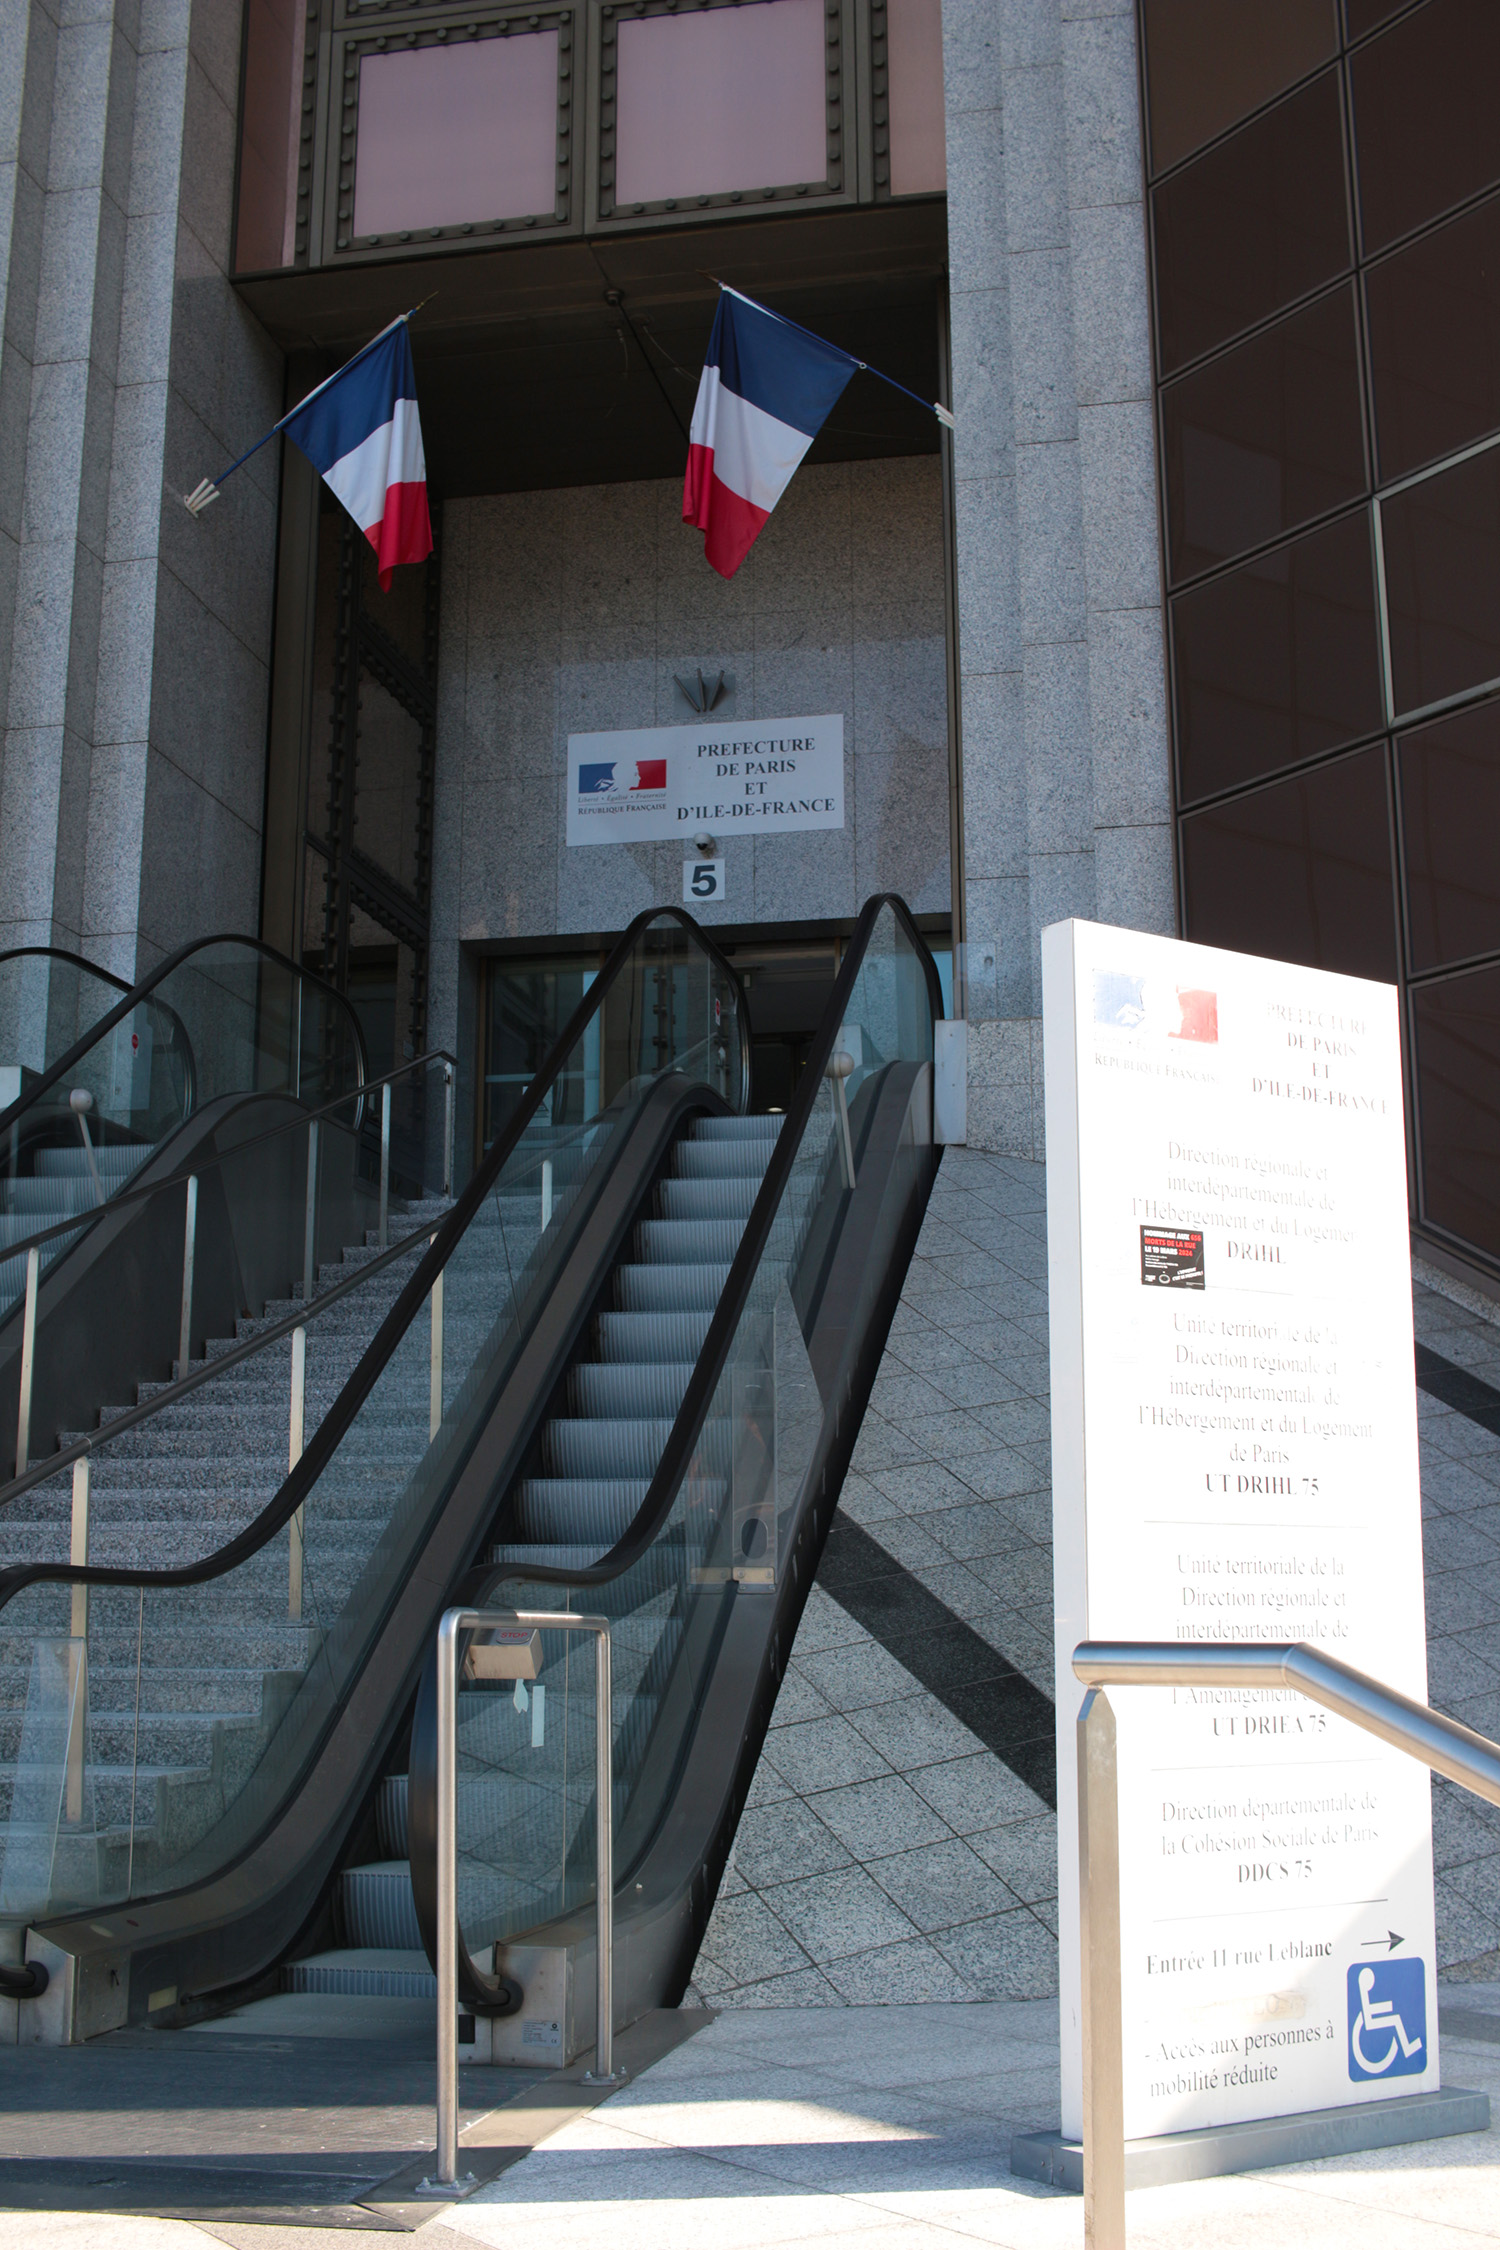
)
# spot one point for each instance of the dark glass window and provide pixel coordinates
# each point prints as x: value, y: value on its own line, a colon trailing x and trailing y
x: 1299, y: 872
x: 1442, y: 574
x: 1210, y: 62
x: 1364, y: 15
x: 1424, y: 115
x: 1457, y: 1027
x: 1265, y: 437
x: 1449, y: 778
x: 1435, y: 342
x: 1253, y: 225
x: 1277, y: 661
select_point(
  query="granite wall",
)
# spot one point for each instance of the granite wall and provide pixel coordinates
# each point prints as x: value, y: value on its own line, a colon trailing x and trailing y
x: 1066, y: 794
x: 134, y: 643
x: 570, y: 611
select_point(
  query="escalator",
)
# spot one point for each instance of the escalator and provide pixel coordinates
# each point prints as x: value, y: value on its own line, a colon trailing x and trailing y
x: 624, y: 1374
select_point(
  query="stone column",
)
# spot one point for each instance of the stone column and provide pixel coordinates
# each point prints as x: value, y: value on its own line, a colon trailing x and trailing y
x: 1066, y: 791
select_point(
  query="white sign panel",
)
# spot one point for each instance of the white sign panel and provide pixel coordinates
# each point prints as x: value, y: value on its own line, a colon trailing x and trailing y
x: 1235, y: 1459
x: 703, y: 882
x: 735, y: 777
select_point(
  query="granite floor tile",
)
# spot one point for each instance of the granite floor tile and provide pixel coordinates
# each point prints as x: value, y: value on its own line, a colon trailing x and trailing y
x: 833, y: 1916
x: 973, y: 1794
x: 1024, y: 1855
x: 875, y: 1819
x: 784, y: 1842
x: 939, y: 1884
x: 822, y: 1754
x: 1009, y: 1957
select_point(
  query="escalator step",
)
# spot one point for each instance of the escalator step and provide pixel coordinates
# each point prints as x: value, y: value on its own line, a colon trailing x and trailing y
x: 383, y: 1973
x: 736, y: 1128
x: 638, y: 1336
x: 616, y: 1388
x: 707, y: 1199
x: 688, y: 1242
x: 601, y: 1508
x: 378, y: 1907
x: 597, y: 1448
x: 721, y: 1160
x: 670, y: 1289
x: 390, y: 1816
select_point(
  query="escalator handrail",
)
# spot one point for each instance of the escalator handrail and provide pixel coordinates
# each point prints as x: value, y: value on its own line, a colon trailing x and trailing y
x: 81, y: 1221
x: 445, y: 1237
x: 137, y: 993
x: 62, y: 953
x: 105, y: 976
x: 645, y: 1527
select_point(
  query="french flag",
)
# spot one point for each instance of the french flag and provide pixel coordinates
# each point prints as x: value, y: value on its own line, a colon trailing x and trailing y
x: 362, y: 433
x: 766, y: 390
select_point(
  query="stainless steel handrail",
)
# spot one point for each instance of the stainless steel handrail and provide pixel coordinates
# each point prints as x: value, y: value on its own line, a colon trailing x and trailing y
x: 1455, y: 1751
x: 445, y: 2181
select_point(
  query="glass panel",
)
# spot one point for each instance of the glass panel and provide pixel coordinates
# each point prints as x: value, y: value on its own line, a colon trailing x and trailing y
x: 726, y: 98
x: 47, y: 1004
x: 1434, y: 313
x: 732, y: 1524
x: 529, y: 1003
x: 454, y: 133
x: 1457, y: 1036
x: 271, y: 133
x: 1277, y: 661
x: 1210, y: 62
x: 1254, y: 224
x: 1450, y: 809
x: 919, y: 153
x: 310, y: 1606
x: 1424, y: 115
x: 1442, y: 573
x: 1364, y: 15
x: 1265, y: 437
x: 1298, y: 872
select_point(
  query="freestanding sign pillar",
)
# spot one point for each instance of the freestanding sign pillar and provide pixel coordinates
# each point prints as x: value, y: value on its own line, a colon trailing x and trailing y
x: 1235, y: 1459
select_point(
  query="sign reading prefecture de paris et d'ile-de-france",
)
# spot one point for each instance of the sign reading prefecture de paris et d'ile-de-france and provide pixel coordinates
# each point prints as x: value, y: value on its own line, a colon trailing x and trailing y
x: 734, y: 777
x: 1235, y: 1459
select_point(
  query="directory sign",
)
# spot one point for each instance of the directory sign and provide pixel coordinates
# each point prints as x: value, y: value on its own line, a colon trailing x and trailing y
x: 1235, y: 1459
x: 732, y: 777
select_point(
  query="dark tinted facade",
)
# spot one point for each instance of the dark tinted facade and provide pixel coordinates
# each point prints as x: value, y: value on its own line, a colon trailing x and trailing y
x: 1324, y: 188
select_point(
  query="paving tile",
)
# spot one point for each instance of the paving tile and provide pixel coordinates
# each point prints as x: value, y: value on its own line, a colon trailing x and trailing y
x: 917, y: 1731
x: 797, y: 1699
x: 874, y: 1819
x: 744, y: 1940
x: 1024, y: 1855
x: 939, y: 1884
x: 781, y: 1843
x: 850, y: 1678
x: 973, y: 1794
x: 822, y: 1754
x: 1009, y: 1957
x: 832, y: 1916
x: 897, y: 1974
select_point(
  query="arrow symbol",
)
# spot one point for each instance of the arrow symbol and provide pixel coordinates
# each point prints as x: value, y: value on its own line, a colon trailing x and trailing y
x: 1390, y: 1941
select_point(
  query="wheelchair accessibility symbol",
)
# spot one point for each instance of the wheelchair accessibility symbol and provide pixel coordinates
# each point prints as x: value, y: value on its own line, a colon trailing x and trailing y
x: 1387, y: 2019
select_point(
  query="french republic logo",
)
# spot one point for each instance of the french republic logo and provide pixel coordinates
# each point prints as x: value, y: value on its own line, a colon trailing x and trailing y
x: 1128, y: 1003
x: 603, y: 780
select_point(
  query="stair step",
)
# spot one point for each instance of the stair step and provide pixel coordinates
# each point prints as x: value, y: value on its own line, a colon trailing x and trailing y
x: 377, y: 1972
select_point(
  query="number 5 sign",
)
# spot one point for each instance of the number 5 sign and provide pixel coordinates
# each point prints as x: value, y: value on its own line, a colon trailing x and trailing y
x: 702, y: 879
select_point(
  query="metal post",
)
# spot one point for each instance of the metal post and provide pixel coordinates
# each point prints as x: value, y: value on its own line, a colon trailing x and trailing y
x: 189, y: 1243
x: 445, y: 2180
x: 546, y: 1193
x: 1103, y: 2041
x: 294, y: 1455
x: 80, y: 1102
x: 28, y: 1360
x: 435, y: 1389
x: 447, y: 1128
x: 78, y: 1627
x: 603, y: 2072
x: 840, y: 1068
x: 310, y: 1226
x: 385, y: 1161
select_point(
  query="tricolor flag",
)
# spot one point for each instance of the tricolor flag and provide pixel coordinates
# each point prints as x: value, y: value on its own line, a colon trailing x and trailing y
x: 362, y: 433
x: 766, y: 390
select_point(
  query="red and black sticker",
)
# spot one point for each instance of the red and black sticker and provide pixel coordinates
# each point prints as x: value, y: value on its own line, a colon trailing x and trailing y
x: 1172, y: 1257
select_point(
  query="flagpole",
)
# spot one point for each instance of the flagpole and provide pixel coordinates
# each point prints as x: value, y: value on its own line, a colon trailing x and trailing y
x: 929, y: 405
x: 207, y: 489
